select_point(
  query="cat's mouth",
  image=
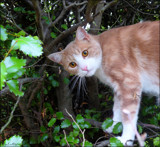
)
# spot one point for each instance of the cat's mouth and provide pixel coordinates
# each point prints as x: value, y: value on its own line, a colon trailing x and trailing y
x: 88, y: 73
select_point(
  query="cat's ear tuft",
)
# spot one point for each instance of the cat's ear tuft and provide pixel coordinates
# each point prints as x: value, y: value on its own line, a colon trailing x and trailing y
x: 56, y: 57
x: 81, y: 34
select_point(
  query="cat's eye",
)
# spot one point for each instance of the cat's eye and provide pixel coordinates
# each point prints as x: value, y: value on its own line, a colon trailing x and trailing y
x: 85, y: 53
x: 72, y: 64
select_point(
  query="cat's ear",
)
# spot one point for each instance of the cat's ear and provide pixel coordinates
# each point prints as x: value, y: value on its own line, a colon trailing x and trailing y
x: 81, y: 34
x: 56, y: 57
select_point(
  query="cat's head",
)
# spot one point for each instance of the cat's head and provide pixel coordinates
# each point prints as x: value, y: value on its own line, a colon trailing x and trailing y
x: 82, y: 56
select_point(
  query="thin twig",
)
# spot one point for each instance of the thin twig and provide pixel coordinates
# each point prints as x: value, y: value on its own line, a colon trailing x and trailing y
x: 65, y: 137
x: 11, y: 115
x: 82, y: 132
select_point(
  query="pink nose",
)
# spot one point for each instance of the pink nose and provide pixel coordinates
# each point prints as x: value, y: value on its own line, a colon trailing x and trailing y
x: 84, y: 68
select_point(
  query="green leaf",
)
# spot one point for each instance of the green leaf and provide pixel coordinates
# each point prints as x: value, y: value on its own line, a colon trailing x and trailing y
x: 51, y: 122
x: 44, y: 137
x: 107, y: 123
x: 56, y: 129
x: 16, y: 75
x: 43, y: 129
x: 70, y: 138
x: 87, y: 125
x: 21, y: 33
x: 117, y: 128
x: 15, y: 140
x: 57, y: 138
x: 66, y: 81
x: 76, y: 141
x: 63, y: 142
x: 65, y: 124
x: 75, y: 126
x: 13, y: 64
x: 49, y: 107
x: 53, y: 35
x: 64, y: 26
x: 14, y: 87
x: 114, y: 142
x: 28, y: 45
x: 79, y: 118
x: 3, y: 72
x: 55, y: 83
x: 3, y: 33
x: 140, y: 129
x: 156, y: 141
x: 75, y: 133
x: 32, y: 140
x: 158, y: 116
x: 87, y: 144
x: 60, y: 115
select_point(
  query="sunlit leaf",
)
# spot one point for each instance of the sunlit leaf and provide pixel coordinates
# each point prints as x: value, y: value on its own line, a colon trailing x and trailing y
x: 3, y: 33
x: 51, y: 122
x: 13, y: 64
x: 114, y: 142
x: 117, y: 128
x: 3, y: 72
x: 87, y: 144
x: 156, y: 141
x: 14, y: 87
x: 79, y: 119
x: 107, y: 123
x: 16, y: 74
x: 65, y: 124
x: 15, y: 140
x: 29, y: 45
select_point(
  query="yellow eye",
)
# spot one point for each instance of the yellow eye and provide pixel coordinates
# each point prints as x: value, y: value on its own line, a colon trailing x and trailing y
x: 85, y: 53
x: 72, y: 64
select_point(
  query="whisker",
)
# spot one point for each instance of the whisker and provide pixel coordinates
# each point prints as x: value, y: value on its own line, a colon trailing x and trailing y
x: 79, y: 87
x: 72, y: 79
x: 74, y: 83
x: 84, y: 87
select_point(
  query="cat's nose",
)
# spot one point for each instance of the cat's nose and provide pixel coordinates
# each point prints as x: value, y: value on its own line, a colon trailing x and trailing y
x: 84, y: 68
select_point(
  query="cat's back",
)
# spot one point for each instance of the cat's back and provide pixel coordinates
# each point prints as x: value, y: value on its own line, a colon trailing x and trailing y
x: 134, y: 42
x: 134, y: 49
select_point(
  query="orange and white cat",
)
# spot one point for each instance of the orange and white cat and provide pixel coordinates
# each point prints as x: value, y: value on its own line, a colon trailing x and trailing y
x: 126, y: 59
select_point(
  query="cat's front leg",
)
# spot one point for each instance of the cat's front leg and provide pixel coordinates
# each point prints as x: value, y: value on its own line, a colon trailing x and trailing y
x: 129, y: 96
x: 116, y: 113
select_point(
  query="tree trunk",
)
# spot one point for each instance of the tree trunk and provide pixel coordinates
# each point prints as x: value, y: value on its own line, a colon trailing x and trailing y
x: 64, y: 96
x: 92, y: 82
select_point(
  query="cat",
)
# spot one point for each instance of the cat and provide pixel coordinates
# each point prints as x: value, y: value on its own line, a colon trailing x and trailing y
x: 126, y: 59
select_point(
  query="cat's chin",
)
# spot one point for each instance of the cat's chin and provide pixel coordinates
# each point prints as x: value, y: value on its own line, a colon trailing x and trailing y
x: 90, y: 73
x: 86, y: 73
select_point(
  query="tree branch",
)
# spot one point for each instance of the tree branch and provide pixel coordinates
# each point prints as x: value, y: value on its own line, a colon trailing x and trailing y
x: 73, y: 28
x: 4, y: 91
x: 38, y: 11
x: 11, y: 115
x: 65, y: 9
x: 14, y: 23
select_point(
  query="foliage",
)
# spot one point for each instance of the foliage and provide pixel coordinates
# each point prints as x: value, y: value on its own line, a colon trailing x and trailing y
x: 43, y: 101
x: 15, y: 140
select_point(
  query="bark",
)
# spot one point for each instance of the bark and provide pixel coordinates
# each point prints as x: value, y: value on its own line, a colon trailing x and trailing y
x: 92, y: 82
x: 63, y: 95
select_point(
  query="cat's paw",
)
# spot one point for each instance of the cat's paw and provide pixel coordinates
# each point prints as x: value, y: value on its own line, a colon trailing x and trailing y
x: 124, y: 141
